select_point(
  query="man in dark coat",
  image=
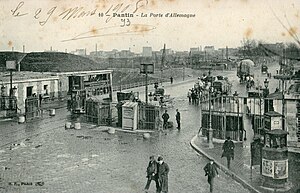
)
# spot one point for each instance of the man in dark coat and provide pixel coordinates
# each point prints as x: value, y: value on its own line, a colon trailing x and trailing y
x: 152, y: 174
x: 178, y: 119
x: 211, y: 172
x: 228, y: 150
x: 165, y: 117
x: 163, y: 171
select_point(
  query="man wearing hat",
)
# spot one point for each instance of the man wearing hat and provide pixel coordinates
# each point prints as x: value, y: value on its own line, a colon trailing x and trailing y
x: 228, y: 150
x: 152, y: 174
x: 211, y: 172
x: 163, y: 171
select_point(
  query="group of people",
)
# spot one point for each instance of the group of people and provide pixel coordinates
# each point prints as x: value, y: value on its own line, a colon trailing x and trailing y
x: 158, y: 171
x: 166, y: 117
x: 193, y: 95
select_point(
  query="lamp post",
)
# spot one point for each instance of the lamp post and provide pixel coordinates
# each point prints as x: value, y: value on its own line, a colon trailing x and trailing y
x: 147, y: 69
x: 266, y: 83
x: 210, y: 130
x: 266, y: 90
x: 235, y: 96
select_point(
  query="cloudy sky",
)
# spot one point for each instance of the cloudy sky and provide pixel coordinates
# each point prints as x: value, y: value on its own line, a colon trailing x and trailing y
x: 40, y: 24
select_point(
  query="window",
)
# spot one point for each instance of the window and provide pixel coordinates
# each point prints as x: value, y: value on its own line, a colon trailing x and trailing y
x: 29, y: 91
x: 46, y: 89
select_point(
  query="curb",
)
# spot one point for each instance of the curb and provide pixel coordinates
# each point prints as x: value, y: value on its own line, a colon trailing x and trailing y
x: 223, y: 168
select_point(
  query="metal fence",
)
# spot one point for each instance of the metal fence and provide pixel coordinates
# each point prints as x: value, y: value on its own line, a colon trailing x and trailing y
x: 32, y: 108
x: 8, y: 105
x: 227, y: 115
x: 98, y: 112
x: 133, y: 85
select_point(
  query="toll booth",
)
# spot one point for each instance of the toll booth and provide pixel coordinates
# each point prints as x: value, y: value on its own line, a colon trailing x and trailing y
x: 275, y: 159
x: 130, y: 116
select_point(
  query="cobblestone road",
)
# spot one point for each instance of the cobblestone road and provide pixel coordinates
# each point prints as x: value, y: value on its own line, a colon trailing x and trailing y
x: 89, y: 160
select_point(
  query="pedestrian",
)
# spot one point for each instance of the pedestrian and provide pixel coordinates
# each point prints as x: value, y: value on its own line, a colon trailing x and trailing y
x: 171, y: 80
x: 211, y: 172
x: 152, y: 174
x: 165, y: 117
x: 163, y: 171
x: 178, y: 119
x: 193, y: 96
x: 40, y: 99
x: 228, y: 150
x: 155, y: 85
x: 189, y: 95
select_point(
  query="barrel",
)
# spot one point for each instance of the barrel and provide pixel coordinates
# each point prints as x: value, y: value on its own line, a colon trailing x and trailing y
x: 68, y: 125
x: 111, y: 130
x: 21, y: 119
x: 77, y: 126
x: 52, y: 112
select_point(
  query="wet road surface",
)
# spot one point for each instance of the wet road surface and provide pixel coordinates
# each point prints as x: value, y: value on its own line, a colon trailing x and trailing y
x: 89, y: 160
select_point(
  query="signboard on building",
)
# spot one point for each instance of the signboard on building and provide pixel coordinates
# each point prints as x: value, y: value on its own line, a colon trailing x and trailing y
x: 11, y: 65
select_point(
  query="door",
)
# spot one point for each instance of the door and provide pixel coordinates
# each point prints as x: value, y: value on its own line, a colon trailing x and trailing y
x: 29, y: 91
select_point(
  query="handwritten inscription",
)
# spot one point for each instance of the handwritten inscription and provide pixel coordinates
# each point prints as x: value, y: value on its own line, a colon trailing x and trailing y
x: 120, y: 10
x: 124, y: 12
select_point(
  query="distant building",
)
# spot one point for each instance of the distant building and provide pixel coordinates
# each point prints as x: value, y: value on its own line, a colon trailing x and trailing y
x: 126, y: 54
x: 147, y: 52
x: 97, y: 54
x: 80, y: 52
x: 209, y: 49
x: 182, y: 53
x: 195, y: 51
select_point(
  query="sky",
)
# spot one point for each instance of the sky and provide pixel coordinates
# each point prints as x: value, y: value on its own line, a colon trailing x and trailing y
x: 41, y: 24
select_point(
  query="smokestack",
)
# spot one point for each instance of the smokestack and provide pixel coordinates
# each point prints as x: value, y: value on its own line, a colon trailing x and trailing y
x: 51, y: 48
x: 227, y: 53
x: 23, y: 48
x: 96, y: 50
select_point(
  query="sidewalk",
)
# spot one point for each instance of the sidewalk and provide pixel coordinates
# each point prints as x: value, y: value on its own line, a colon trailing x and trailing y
x: 240, y: 166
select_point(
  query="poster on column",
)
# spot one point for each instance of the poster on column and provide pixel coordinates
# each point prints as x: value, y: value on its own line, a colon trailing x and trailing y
x: 280, y: 169
x: 268, y: 168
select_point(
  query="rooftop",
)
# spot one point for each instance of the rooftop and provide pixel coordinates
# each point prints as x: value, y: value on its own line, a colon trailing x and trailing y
x: 23, y: 75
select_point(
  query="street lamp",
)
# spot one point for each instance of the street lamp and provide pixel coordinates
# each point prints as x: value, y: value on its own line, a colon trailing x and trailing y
x: 266, y: 83
x: 11, y: 65
x: 235, y: 96
x: 266, y: 90
x: 210, y: 130
x: 146, y: 69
